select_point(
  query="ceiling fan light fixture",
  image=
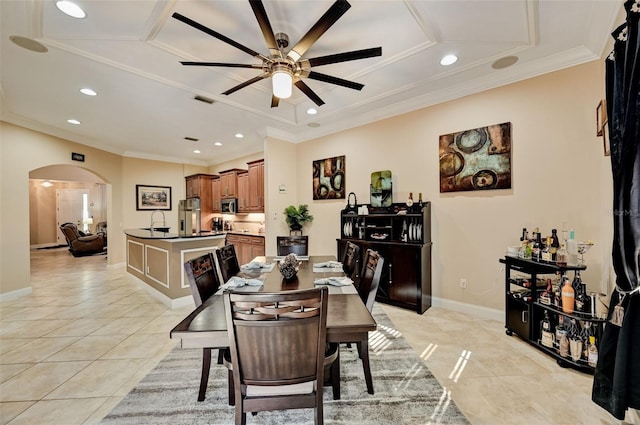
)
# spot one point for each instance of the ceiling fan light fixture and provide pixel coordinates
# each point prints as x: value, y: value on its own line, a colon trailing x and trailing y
x: 282, y: 80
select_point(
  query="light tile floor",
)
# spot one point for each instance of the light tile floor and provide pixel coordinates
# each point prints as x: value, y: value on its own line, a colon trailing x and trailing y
x: 86, y: 335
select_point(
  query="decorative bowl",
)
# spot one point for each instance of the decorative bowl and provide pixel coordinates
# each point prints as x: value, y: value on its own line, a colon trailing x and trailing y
x: 289, y: 266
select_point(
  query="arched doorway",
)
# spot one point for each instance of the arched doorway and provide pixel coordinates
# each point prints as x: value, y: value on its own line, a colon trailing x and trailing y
x: 52, y: 193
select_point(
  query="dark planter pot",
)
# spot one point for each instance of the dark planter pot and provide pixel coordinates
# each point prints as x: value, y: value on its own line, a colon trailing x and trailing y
x: 295, y: 226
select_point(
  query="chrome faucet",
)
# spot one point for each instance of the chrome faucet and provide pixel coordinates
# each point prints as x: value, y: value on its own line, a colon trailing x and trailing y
x: 164, y: 224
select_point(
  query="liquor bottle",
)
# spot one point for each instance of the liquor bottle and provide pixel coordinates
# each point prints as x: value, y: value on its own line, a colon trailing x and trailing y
x: 572, y: 248
x: 592, y: 358
x: 535, y: 249
x: 557, y: 293
x: 568, y: 296
x: 420, y: 204
x: 561, y: 256
x: 582, y: 299
x: 546, y: 251
x: 547, y: 295
x: 525, y: 236
x: 410, y: 202
x: 562, y: 340
x: 546, y: 335
x: 555, y: 244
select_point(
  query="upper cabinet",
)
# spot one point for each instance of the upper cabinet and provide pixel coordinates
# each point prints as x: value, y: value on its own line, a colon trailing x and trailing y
x: 229, y: 183
x: 216, y: 194
x: 256, y: 186
x: 243, y: 192
x: 200, y: 186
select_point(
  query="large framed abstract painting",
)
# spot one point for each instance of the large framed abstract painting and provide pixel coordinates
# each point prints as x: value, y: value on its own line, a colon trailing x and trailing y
x: 477, y: 159
x: 329, y: 178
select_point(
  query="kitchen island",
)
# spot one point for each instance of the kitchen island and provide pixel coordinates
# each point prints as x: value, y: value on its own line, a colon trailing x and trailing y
x: 157, y: 259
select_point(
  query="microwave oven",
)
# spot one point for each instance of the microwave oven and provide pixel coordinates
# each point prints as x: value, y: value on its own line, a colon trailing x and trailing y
x: 229, y: 205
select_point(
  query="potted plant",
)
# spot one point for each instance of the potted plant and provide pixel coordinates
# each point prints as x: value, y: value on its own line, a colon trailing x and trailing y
x: 297, y: 217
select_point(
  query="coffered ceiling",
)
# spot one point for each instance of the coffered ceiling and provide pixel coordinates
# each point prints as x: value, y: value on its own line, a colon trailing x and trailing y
x: 128, y: 51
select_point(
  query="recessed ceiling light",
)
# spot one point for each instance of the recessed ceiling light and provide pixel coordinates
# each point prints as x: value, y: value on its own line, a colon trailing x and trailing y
x: 312, y: 111
x: 71, y: 9
x: 196, y: 151
x: 218, y: 144
x: 88, y: 92
x: 29, y: 44
x: 239, y: 135
x: 313, y: 125
x: 448, y: 60
x: 46, y: 183
x: 73, y: 121
x: 504, y: 62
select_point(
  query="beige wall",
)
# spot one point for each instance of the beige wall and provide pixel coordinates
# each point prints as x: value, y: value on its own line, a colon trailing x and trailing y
x: 559, y: 174
x: 23, y: 150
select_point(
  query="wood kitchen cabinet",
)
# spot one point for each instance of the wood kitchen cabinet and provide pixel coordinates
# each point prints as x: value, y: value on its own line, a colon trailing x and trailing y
x: 256, y: 186
x: 229, y: 183
x: 247, y: 247
x: 243, y: 192
x: 200, y: 186
x: 216, y: 195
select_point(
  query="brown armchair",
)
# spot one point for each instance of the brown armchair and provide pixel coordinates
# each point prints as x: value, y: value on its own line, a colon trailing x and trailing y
x: 81, y: 244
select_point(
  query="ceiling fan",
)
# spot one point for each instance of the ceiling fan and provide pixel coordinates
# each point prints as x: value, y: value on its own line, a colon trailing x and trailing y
x: 287, y: 67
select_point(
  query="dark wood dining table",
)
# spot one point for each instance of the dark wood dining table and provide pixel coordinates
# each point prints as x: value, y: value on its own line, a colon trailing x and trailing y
x: 348, y: 319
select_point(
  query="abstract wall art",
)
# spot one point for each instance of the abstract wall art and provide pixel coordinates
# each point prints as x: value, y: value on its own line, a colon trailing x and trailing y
x: 329, y: 178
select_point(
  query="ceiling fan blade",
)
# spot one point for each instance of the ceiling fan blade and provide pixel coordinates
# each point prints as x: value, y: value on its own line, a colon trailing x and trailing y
x: 344, y: 57
x: 275, y: 100
x: 217, y: 35
x: 329, y: 18
x: 265, y: 26
x: 225, y: 65
x: 310, y: 93
x: 335, y: 80
x: 247, y: 83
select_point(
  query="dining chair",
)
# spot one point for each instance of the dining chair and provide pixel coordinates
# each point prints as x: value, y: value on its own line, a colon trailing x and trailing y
x: 228, y: 262
x: 367, y: 289
x: 298, y: 245
x: 204, y: 282
x: 277, y: 343
x: 351, y: 261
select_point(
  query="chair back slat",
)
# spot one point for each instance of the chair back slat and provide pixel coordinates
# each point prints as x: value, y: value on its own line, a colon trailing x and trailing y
x: 351, y: 261
x: 203, y: 277
x: 298, y: 245
x: 370, y: 277
x: 228, y: 262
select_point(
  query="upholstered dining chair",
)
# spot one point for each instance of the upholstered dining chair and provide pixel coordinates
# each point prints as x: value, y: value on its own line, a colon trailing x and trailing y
x: 204, y: 282
x: 277, y: 343
x: 298, y: 245
x: 367, y: 289
x: 228, y: 262
x: 351, y: 261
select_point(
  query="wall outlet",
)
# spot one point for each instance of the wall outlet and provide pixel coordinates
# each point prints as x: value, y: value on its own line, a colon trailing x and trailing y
x: 463, y: 283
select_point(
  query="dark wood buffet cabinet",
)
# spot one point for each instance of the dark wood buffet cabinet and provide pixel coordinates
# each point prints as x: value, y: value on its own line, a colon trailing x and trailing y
x: 404, y: 240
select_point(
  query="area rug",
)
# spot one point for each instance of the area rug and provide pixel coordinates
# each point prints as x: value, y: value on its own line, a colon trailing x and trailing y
x: 405, y: 391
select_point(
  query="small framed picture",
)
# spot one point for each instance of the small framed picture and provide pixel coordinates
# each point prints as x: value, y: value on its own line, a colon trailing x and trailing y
x: 153, y: 197
x: 601, y: 117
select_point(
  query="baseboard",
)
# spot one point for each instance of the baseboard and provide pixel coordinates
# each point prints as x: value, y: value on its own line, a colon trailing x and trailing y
x: 8, y: 296
x: 484, y: 312
x: 120, y: 265
x: 169, y: 302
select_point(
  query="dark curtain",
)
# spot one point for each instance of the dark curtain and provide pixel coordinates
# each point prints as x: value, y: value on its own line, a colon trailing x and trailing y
x: 616, y: 381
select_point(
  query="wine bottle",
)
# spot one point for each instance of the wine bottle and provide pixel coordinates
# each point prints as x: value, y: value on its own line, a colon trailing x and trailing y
x: 557, y: 293
x: 568, y: 296
x: 555, y: 244
x: 592, y: 359
x: 582, y: 300
x: 420, y: 204
x: 546, y: 251
x: 410, y: 202
x: 546, y: 335
x: 525, y: 236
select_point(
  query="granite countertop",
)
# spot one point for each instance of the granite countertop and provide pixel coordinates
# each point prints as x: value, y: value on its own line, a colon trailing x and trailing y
x: 243, y: 233
x: 147, y: 234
